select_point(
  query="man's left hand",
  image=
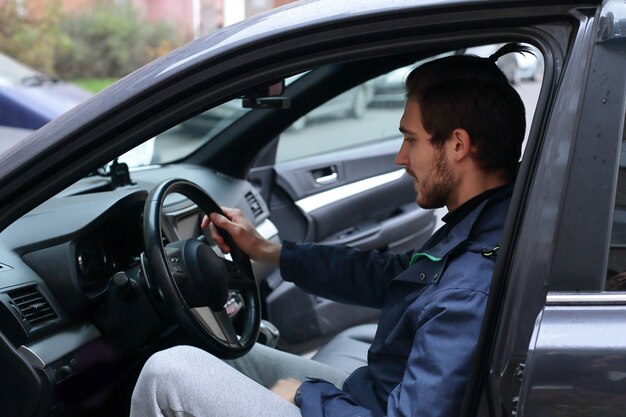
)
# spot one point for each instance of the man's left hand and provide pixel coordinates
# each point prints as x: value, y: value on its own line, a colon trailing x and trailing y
x: 287, y: 388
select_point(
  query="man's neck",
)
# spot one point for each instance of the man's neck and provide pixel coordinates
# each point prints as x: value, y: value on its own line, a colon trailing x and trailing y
x: 469, y: 188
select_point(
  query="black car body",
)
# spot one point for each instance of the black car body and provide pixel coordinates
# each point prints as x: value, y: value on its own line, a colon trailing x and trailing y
x: 554, y: 339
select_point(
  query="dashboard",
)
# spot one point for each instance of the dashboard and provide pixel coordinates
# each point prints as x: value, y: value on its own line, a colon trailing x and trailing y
x: 58, y: 301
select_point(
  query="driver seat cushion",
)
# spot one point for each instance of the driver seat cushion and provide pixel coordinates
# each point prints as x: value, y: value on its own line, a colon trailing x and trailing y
x: 348, y: 350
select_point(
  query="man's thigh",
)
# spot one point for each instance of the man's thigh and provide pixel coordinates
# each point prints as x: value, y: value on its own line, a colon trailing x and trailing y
x: 266, y: 366
x: 188, y: 382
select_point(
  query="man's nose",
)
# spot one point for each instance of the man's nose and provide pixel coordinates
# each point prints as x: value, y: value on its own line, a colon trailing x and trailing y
x: 402, y: 156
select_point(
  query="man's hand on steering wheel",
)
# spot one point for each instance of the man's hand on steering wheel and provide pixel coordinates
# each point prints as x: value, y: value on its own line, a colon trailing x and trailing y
x: 243, y: 233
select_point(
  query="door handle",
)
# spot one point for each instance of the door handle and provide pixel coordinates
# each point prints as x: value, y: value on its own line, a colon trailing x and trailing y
x: 325, y: 176
x: 327, y: 179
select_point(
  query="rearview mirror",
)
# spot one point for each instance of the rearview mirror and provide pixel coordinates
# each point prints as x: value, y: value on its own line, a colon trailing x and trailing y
x: 266, y: 90
x: 268, y: 96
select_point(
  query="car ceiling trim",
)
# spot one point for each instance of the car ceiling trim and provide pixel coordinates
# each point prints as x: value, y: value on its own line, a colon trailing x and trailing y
x: 604, y: 298
x: 53, y: 348
x: 325, y: 198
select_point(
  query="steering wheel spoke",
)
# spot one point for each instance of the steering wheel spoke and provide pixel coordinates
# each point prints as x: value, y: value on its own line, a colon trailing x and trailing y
x: 238, y: 280
x: 174, y: 263
x: 218, y: 323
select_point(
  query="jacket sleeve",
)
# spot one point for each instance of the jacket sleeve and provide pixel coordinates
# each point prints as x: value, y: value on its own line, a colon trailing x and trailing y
x: 341, y: 273
x: 318, y: 398
x: 438, y: 366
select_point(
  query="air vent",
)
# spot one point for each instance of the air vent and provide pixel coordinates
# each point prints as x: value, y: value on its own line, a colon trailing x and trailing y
x: 32, y: 306
x: 254, y: 204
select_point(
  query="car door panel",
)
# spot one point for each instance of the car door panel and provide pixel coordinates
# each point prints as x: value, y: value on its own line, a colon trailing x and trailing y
x: 298, y: 176
x: 577, y: 358
x: 370, y: 203
x: 398, y: 232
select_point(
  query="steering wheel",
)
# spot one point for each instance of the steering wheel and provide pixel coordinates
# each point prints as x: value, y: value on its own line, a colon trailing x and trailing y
x: 193, y: 283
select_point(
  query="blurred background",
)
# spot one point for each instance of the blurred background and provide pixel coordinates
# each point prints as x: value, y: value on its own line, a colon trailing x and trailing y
x: 55, y: 54
x: 92, y: 43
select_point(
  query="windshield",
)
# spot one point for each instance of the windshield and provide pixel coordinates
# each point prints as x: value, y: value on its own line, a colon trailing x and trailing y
x: 184, y: 139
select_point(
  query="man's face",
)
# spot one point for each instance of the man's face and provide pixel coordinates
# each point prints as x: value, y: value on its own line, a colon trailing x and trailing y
x: 434, y: 180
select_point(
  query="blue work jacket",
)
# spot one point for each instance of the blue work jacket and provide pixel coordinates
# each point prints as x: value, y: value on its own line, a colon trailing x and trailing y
x: 432, y: 300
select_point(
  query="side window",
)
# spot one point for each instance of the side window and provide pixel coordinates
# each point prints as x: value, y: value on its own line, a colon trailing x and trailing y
x: 616, y: 270
x: 371, y: 111
x: 365, y: 113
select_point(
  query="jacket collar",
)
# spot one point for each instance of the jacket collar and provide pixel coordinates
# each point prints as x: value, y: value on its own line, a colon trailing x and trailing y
x: 430, y: 272
x: 458, y: 234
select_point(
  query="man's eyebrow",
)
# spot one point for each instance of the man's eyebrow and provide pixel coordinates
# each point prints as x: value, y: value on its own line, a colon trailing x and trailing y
x: 405, y: 130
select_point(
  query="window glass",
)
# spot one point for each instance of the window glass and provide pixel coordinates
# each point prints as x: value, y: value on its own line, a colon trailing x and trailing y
x: 368, y: 112
x: 616, y: 270
x: 372, y: 111
x: 185, y: 138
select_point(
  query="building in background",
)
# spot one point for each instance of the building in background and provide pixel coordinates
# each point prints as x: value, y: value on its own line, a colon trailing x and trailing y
x: 190, y: 18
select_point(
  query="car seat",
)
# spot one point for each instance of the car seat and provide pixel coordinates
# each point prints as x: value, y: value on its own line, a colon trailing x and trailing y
x: 348, y: 350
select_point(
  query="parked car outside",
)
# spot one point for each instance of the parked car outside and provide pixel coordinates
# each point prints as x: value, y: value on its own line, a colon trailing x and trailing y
x: 30, y: 99
x: 10, y: 136
x: 352, y: 104
x: 389, y: 88
x: 529, y: 66
x: 90, y: 275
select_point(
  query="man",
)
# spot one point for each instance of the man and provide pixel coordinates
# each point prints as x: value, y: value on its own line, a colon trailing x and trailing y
x: 463, y: 127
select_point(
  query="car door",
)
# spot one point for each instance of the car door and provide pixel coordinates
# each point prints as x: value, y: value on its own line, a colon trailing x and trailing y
x: 577, y: 354
x: 560, y: 345
x: 334, y: 181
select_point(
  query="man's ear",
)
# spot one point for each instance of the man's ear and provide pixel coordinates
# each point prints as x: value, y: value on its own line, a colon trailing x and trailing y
x: 460, y: 144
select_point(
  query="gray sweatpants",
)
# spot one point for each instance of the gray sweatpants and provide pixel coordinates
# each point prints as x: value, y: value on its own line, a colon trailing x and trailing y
x: 188, y: 382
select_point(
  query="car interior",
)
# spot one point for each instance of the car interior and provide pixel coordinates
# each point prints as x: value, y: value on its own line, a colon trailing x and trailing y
x: 307, y: 158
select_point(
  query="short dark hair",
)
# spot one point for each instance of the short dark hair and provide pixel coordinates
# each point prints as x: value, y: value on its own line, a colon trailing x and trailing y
x: 472, y: 93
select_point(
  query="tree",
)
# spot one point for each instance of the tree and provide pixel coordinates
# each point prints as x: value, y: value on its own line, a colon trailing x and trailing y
x: 32, y: 38
x: 111, y: 42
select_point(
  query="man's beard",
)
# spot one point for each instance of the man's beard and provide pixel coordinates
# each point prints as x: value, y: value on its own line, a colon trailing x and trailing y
x: 435, y: 188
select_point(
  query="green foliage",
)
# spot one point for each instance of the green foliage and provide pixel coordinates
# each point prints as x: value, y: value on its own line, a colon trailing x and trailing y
x: 31, y: 39
x: 94, y: 84
x: 106, y: 42
x: 110, y: 43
